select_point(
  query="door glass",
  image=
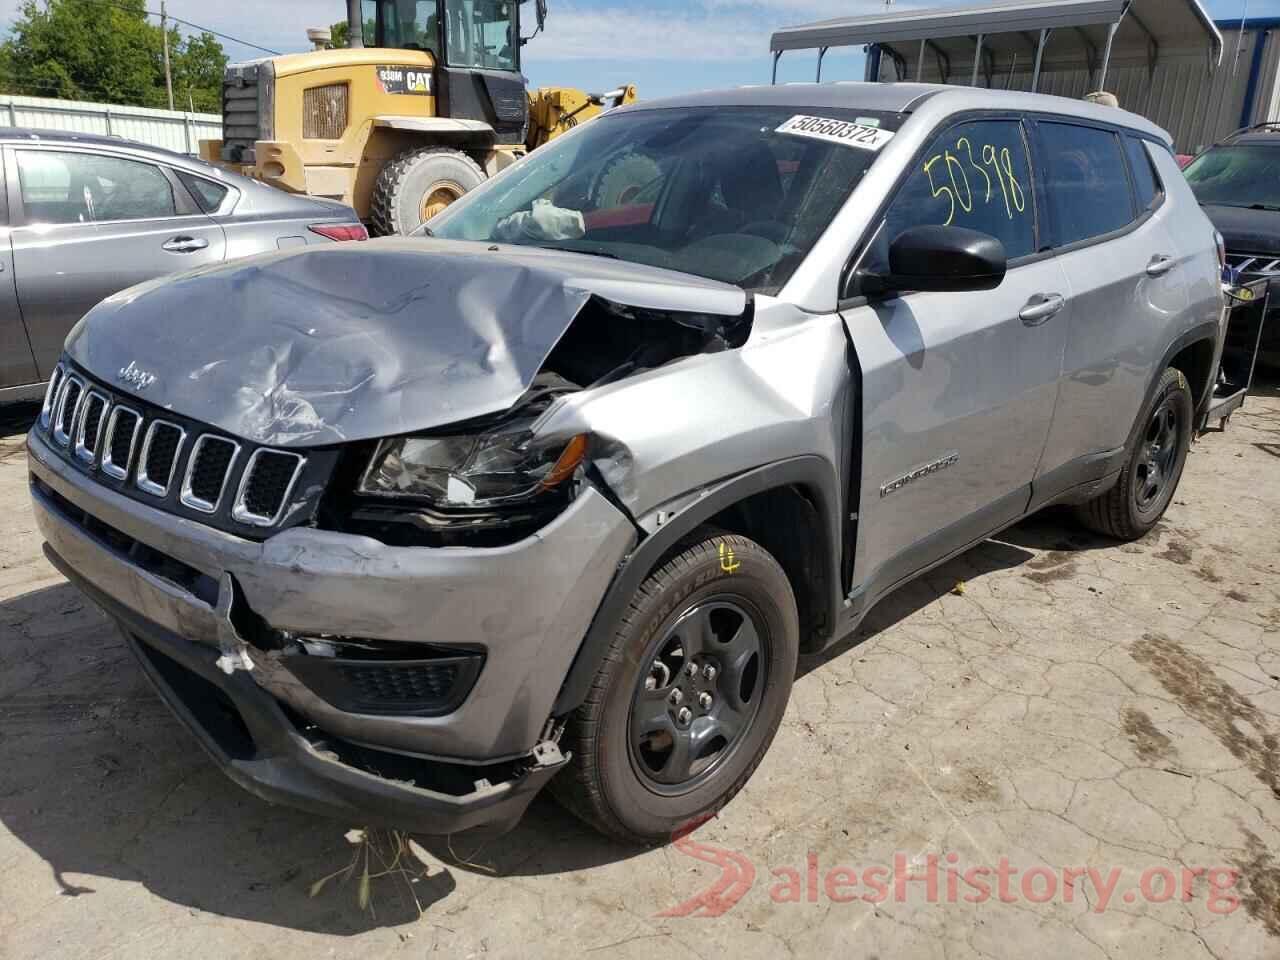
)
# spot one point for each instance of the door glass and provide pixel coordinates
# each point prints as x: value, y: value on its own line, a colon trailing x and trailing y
x: 1144, y: 176
x: 208, y: 195
x: 481, y: 33
x: 85, y: 188
x: 975, y: 175
x: 1085, y: 181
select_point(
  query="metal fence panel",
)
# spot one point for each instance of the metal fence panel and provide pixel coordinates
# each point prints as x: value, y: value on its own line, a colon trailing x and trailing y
x: 172, y: 129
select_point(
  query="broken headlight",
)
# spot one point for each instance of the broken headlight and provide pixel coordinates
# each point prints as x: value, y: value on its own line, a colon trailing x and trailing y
x: 505, y: 465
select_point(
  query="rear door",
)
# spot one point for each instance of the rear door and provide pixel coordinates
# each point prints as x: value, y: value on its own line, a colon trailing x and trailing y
x: 1110, y: 226
x: 17, y: 366
x: 958, y: 389
x: 89, y: 223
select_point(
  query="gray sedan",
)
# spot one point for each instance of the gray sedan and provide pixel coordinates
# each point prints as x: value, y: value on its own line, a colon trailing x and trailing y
x: 83, y: 217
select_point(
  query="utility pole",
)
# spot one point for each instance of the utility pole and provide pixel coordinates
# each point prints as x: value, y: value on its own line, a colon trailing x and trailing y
x: 164, y: 31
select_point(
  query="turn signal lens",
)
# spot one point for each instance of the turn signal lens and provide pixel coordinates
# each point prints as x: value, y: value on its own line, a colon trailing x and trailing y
x: 568, y: 462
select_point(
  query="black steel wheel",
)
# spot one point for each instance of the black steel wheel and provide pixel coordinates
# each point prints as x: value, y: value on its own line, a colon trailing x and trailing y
x: 1158, y: 447
x: 698, y: 695
x: 1158, y: 454
x: 689, y: 695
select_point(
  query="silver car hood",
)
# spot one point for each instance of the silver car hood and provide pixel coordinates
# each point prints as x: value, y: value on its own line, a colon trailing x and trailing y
x: 353, y: 341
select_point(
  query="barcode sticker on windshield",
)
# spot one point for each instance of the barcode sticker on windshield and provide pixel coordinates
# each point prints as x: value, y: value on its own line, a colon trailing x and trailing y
x: 837, y: 131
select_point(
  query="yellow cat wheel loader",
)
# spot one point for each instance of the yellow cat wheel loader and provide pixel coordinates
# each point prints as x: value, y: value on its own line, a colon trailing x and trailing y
x: 426, y: 102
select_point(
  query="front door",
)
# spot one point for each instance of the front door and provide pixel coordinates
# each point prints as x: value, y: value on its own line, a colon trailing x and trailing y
x: 958, y: 389
x: 89, y: 224
x: 17, y: 366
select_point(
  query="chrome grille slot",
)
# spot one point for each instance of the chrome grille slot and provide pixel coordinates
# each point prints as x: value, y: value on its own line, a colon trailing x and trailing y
x: 92, y: 420
x: 159, y: 456
x: 265, y: 486
x: 1255, y: 265
x: 51, y: 395
x: 208, y: 470
x: 65, y: 416
x: 122, y: 434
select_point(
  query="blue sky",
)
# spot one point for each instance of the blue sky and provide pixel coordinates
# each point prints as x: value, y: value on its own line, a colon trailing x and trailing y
x: 666, y: 47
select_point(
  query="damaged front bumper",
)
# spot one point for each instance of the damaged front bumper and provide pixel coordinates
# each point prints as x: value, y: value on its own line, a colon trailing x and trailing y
x: 170, y: 584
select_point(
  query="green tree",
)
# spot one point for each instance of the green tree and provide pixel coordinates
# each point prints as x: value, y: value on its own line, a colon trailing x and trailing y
x: 341, y: 33
x: 107, y: 52
x: 197, y: 65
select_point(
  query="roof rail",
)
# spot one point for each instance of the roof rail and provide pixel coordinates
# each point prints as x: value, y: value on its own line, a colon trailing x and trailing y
x: 1269, y: 125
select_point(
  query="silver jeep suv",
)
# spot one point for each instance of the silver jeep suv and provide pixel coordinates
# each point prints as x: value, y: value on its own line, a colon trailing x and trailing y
x: 557, y: 491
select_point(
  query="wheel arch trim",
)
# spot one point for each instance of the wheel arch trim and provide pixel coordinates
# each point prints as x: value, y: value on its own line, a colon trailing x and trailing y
x: 816, y: 476
x: 1211, y: 331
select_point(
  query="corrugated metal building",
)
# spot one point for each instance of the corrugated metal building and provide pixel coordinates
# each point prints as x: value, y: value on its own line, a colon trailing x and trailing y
x: 1163, y: 59
x: 171, y: 129
x: 1195, y: 105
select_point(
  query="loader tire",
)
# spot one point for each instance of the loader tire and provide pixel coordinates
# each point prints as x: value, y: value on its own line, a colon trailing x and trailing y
x: 418, y: 184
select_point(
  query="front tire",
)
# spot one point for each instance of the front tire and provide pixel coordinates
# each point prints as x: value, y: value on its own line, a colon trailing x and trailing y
x: 417, y: 185
x: 689, y: 694
x: 1150, y: 475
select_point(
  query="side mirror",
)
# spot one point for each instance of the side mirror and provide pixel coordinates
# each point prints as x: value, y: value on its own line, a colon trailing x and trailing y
x: 937, y: 258
x: 540, y: 11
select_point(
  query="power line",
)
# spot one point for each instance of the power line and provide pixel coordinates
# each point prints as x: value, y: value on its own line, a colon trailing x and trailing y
x: 188, y: 23
x: 220, y: 36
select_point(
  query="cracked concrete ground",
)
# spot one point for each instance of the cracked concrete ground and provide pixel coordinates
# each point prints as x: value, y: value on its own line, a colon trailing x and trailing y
x: 1075, y: 704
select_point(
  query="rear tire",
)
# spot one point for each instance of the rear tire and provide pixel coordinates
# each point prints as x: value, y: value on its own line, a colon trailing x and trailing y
x: 722, y: 602
x: 1157, y: 453
x: 418, y: 184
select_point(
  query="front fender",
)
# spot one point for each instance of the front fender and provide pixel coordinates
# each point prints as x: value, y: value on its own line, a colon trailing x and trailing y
x: 816, y: 476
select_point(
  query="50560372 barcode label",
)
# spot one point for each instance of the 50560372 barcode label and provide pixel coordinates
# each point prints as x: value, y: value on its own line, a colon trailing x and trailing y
x: 837, y: 131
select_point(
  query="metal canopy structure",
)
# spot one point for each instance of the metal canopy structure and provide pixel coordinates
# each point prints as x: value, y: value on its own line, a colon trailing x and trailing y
x: 1015, y: 38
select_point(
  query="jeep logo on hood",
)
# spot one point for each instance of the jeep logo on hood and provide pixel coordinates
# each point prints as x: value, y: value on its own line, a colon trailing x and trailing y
x: 136, y: 377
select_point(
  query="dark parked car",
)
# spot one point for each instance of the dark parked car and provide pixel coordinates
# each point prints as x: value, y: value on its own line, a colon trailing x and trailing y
x: 1237, y: 183
x: 87, y: 216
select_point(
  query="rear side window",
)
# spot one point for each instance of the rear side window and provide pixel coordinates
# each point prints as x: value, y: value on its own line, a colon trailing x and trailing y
x: 1145, y: 182
x: 1085, y: 181
x: 69, y: 187
x: 209, y: 195
x: 974, y: 175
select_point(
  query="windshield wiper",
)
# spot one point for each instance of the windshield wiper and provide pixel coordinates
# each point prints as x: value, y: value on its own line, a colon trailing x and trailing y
x: 1263, y: 206
x: 589, y: 253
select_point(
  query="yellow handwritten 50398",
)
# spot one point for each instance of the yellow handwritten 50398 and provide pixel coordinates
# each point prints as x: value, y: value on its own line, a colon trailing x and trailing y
x: 953, y: 178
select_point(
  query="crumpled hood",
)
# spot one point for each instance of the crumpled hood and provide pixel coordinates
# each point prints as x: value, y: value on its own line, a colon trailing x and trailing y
x: 359, y: 340
x: 1244, y: 230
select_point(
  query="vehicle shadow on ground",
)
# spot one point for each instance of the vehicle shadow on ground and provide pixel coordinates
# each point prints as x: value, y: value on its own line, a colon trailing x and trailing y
x: 16, y: 418
x: 102, y: 781
x: 1003, y: 552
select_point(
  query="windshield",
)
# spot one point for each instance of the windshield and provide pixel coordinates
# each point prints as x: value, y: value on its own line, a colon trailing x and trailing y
x: 401, y: 24
x: 717, y: 192
x: 1247, y: 175
x: 481, y: 33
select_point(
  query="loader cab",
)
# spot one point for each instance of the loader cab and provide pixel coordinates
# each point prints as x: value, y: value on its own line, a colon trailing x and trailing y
x: 476, y: 47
